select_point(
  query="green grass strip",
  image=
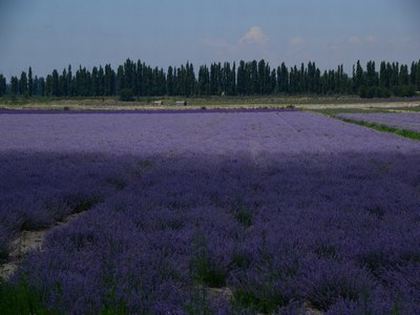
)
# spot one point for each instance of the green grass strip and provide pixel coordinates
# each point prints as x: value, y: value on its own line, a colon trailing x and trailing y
x: 20, y: 298
x: 384, y: 128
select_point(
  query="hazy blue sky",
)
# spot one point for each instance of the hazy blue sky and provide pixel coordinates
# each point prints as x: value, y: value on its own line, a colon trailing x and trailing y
x: 51, y: 34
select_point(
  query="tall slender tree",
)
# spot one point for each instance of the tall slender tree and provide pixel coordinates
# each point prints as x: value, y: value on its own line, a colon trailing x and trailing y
x: 2, y: 85
x: 413, y: 71
x: 241, y: 79
x: 63, y: 83
x: 203, y: 81
x: 23, y: 84
x: 358, y: 79
x: 404, y: 78
x: 14, y: 86
x: 69, y: 80
x: 30, y: 82
x: 248, y: 78
x: 283, y: 78
x: 55, y: 84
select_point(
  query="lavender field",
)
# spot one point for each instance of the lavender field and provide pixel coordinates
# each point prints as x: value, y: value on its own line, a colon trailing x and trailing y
x: 408, y: 121
x: 212, y: 213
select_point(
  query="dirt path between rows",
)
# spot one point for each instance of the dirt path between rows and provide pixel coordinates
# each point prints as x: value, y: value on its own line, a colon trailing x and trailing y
x: 28, y: 241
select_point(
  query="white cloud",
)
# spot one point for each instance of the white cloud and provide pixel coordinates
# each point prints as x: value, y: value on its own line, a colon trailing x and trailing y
x: 355, y: 40
x: 370, y: 39
x: 296, y: 41
x: 254, y: 44
x: 255, y: 36
x: 216, y: 43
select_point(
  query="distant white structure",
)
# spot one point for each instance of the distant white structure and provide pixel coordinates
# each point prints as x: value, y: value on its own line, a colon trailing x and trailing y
x: 158, y: 103
x: 181, y: 103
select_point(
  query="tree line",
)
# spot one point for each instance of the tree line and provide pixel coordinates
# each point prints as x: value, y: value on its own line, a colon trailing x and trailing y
x: 231, y: 79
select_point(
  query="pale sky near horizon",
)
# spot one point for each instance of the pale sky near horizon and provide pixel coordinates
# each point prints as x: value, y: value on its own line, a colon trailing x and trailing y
x: 50, y: 34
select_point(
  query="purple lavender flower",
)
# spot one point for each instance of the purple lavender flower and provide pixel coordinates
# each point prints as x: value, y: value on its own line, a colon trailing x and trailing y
x: 257, y: 212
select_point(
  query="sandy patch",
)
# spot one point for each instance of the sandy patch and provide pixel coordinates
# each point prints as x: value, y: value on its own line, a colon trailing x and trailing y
x: 27, y: 242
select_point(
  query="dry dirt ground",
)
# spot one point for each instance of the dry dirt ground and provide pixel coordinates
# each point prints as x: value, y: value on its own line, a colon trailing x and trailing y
x: 308, y: 103
x: 26, y: 242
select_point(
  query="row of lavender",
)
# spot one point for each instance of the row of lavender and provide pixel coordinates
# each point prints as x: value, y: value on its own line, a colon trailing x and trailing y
x: 408, y: 121
x: 293, y: 231
x: 256, y: 213
x: 39, y: 190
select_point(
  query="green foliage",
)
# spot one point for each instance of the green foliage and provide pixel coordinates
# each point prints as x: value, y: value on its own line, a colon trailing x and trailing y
x: 126, y: 95
x: 198, y: 304
x: 218, y: 79
x: 240, y: 260
x: 14, y: 86
x: 363, y: 92
x: 203, y: 269
x: 205, y: 272
x: 371, y: 92
x: 4, y: 252
x: 262, y: 303
x: 404, y: 90
x: 21, y: 299
x: 244, y: 215
x: 400, y: 90
x: 380, y: 127
x: 30, y: 82
x: 113, y: 305
x: 383, y: 93
x: 23, y: 84
x: 114, y: 310
x: 2, y: 85
x: 418, y: 76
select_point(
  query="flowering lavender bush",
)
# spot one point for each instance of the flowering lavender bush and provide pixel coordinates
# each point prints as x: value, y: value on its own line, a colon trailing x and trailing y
x: 239, y: 213
x: 409, y: 121
x: 41, y: 189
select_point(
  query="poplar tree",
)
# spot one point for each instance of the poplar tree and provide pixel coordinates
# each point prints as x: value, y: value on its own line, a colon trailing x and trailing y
x: 241, y: 78
x: 203, y: 81
x: 371, y: 74
x: 359, y: 77
x: 30, y: 82
x: 55, y: 88
x: 41, y: 87
x: 95, y: 82
x: 101, y: 81
x: 418, y: 76
x: 109, y: 81
x: 63, y: 87
x: 254, y: 82
x: 69, y: 80
x: 14, y: 86
x: 23, y: 84
x: 120, y: 84
x: 403, y: 77
x: 2, y: 85
x: 283, y: 78
x: 383, y: 75
x: 413, y: 73
x: 248, y: 78
x: 49, y: 85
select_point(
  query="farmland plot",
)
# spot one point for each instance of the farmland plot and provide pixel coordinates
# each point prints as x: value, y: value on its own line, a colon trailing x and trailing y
x: 408, y: 121
x: 240, y: 213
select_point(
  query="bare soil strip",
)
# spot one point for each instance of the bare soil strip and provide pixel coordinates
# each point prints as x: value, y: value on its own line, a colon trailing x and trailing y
x: 28, y: 241
x: 211, y: 103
